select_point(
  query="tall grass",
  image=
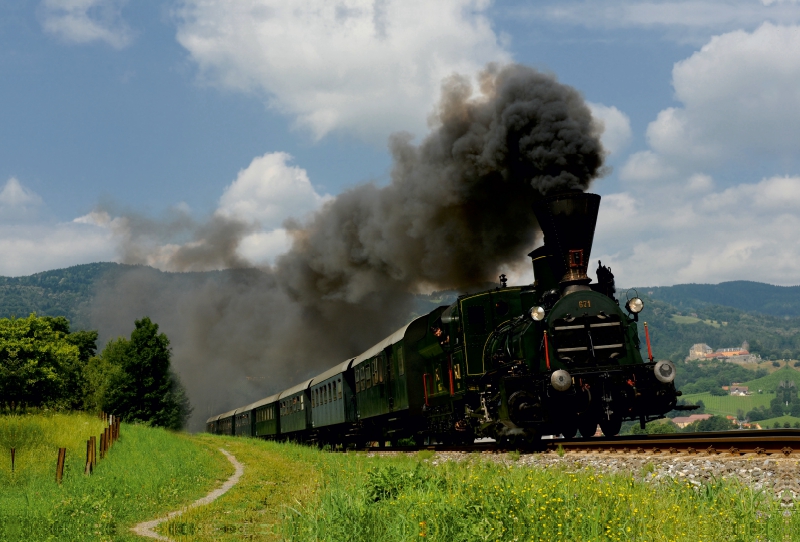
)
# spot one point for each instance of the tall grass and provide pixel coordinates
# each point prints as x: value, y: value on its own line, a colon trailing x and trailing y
x: 405, y: 499
x: 146, y: 473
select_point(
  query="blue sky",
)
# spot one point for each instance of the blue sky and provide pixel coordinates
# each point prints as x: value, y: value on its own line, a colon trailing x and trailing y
x: 262, y: 109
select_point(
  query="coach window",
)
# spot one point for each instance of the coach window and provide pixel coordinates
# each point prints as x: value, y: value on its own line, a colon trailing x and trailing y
x: 325, y: 395
x: 302, y: 403
x: 375, y: 371
x: 335, y: 393
x: 329, y: 397
x: 369, y: 375
x: 340, y: 388
x: 381, y: 363
x: 401, y: 366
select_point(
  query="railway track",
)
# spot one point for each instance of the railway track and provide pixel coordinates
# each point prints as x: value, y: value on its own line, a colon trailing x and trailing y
x: 769, y: 442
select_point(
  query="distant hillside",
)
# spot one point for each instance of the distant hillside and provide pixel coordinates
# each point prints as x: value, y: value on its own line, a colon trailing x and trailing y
x: 720, y: 327
x: 741, y: 294
x: 722, y: 315
x: 61, y: 292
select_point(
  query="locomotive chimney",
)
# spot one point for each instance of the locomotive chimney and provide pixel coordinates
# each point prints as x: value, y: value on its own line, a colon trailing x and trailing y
x: 568, y: 221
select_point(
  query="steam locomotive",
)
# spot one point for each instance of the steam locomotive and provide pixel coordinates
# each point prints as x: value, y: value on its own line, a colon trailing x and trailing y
x: 560, y: 356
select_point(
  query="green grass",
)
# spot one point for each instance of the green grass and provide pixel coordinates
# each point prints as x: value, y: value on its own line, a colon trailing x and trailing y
x: 767, y: 424
x: 727, y: 405
x: 148, y: 472
x: 771, y: 381
x: 276, y: 477
x: 298, y: 493
x: 402, y: 498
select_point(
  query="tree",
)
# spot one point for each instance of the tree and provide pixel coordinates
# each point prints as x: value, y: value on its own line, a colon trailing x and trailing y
x: 714, y: 423
x: 142, y: 386
x: 39, y: 364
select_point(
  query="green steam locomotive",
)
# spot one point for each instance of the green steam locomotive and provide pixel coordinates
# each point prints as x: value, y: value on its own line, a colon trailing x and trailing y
x: 558, y: 357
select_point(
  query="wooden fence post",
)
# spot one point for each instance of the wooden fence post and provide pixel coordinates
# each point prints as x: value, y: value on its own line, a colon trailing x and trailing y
x: 62, y: 456
x: 93, y: 440
x: 13, y: 454
x: 88, y: 468
x: 103, y: 445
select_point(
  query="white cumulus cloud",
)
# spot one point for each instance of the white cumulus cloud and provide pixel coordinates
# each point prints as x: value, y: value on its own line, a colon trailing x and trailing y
x: 360, y: 66
x: 269, y: 191
x: 86, y: 21
x: 665, y: 236
x: 739, y: 95
x: 616, y: 127
x: 18, y: 202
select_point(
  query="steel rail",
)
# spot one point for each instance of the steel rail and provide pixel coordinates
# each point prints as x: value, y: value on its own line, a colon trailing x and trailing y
x: 781, y: 442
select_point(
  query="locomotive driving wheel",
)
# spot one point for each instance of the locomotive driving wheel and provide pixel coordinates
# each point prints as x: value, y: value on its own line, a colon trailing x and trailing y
x: 587, y: 425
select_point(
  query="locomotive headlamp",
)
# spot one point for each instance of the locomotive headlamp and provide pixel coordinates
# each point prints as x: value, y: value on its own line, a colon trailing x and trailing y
x: 635, y: 305
x: 561, y: 380
x: 664, y: 371
x: 537, y: 314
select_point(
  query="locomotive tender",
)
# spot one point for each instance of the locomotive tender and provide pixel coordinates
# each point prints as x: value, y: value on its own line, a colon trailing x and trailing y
x: 559, y: 356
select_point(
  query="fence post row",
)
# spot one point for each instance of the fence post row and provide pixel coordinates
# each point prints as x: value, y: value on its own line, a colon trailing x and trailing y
x: 13, y: 454
x: 62, y: 456
x: 88, y: 468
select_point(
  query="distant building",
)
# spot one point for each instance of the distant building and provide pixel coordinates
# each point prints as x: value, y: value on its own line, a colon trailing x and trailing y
x: 702, y: 351
x: 736, y: 389
x: 683, y: 421
x: 699, y: 351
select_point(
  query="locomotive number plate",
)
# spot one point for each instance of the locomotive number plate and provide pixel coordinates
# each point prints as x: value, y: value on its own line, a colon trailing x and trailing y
x: 584, y: 304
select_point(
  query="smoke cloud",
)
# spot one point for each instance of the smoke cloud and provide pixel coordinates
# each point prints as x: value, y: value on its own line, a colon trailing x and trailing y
x: 457, y: 210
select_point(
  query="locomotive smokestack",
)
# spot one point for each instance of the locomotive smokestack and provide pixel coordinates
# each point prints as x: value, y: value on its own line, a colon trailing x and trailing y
x: 568, y: 222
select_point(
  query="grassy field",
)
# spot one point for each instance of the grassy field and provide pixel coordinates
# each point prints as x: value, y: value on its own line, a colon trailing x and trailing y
x: 771, y: 381
x: 146, y: 473
x: 680, y: 319
x: 291, y: 492
x: 727, y: 405
x: 782, y: 420
x: 297, y: 493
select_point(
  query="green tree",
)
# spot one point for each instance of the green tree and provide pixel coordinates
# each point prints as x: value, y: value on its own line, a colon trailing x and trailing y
x: 39, y: 365
x: 714, y: 423
x: 142, y: 387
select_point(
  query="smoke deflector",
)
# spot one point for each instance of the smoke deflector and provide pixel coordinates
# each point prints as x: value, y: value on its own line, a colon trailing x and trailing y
x: 568, y: 222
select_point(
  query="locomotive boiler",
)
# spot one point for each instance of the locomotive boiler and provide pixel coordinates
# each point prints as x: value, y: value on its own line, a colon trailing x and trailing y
x: 556, y: 357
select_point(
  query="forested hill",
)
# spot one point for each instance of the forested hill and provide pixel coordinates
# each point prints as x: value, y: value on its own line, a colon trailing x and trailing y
x: 61, y: 292
x: 741, y: 294
x: 721, y: 315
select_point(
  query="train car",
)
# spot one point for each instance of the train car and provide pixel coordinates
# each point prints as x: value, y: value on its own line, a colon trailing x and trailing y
x: 390, y: 384
x: 266, y: 414
x: 211, y: 424
x: 225, y: 423
x: 332, y: 404
x: 295, y: 412
x: 243, y: 421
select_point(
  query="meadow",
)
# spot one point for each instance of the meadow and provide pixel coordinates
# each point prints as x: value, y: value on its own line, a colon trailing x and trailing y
x: 728, y: 405
x: 298, y: 493
x: 146, y: 473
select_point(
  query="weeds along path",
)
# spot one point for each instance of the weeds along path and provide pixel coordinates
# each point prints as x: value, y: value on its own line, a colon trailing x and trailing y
x: 276, y: 476
x: 145, y: 528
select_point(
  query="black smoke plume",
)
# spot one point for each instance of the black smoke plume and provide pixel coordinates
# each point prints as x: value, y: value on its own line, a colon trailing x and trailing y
x: 458, y: 208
